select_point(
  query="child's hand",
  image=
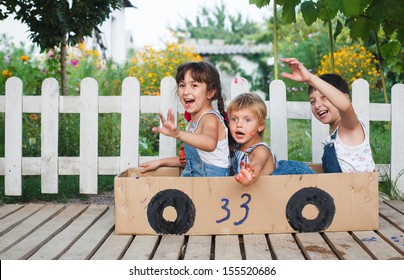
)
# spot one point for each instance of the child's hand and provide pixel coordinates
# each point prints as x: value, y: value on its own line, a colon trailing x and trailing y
x: 169, y: 127
x: 246, y: 175
x: 149, y: 166
x: 299, y: 72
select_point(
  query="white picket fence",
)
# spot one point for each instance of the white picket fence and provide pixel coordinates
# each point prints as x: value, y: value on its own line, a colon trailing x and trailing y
x: 131, y: 104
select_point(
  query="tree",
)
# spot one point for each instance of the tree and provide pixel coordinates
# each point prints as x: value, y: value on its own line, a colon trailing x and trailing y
x: 59, y: 23
x: 365, y: 19
x: 218, y: 24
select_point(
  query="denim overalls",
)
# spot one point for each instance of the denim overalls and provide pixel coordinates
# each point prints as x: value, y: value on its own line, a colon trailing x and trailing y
x: 329, y: 159
x: 240, y: 157
x: 290, y: 167
x: 194, y: 166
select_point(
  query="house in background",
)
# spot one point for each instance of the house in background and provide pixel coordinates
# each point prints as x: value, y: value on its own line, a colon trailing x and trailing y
x: 111, y: 38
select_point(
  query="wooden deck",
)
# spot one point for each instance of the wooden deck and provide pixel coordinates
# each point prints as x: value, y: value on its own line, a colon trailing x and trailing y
x: 83, y: 232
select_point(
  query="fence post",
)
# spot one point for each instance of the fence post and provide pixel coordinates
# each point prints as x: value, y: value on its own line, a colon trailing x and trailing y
x: 278, y: 119
x: 360, y: 101
x: 130, y: 111
x: 89, y: 136
x: 13, y: 137
x: 397, y: 135
x: 168, y: 99
x: 49, y: 136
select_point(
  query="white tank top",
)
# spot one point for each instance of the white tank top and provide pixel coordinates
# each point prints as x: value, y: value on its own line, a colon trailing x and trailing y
x: 220, y: 156
x: 354, y: 159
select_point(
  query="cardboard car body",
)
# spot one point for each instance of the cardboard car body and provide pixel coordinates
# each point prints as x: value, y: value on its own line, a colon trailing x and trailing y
x: 162, y: 202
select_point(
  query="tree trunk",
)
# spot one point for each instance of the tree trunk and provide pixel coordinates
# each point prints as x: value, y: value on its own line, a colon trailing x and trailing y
x: 275, y: 43
x: 63, y: 75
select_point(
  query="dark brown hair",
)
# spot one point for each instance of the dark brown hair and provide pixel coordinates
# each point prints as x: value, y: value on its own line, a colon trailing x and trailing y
x: 204, y: 72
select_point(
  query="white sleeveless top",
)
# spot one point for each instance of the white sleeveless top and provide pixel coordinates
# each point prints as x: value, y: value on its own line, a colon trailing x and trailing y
x: 220, y: 156
x: 354, y: 159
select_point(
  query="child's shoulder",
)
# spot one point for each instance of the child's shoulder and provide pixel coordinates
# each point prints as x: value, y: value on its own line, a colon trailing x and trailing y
x: 259, y: 147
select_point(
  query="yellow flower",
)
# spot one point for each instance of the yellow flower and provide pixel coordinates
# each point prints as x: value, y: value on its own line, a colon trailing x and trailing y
x: 6, y: 74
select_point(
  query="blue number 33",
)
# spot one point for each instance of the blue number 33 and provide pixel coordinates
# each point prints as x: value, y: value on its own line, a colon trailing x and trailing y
x: 244, y: 205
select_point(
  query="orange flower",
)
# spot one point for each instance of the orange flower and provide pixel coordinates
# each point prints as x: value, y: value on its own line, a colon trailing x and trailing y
x: 33, y: 117
x: 24, y: 58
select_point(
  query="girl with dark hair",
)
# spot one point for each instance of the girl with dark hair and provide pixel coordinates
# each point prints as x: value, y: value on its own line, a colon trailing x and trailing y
x: 206, y: 138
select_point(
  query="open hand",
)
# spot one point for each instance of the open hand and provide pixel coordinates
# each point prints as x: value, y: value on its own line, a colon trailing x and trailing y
x: 299, y: 72
x: 246, y: 175
x: 169, y: 126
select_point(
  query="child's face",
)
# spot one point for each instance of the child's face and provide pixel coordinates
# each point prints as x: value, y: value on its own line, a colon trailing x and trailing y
x: 322, y: 109
x: 194, y: 95
x: 245, y: 127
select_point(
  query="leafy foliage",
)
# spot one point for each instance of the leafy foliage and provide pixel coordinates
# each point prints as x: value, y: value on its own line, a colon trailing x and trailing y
x: 50, y: 22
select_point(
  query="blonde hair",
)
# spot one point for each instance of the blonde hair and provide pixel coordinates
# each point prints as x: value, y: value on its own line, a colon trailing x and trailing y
x: 252, y: 102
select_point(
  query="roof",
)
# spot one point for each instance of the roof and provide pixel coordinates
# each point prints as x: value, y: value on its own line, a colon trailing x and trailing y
x: 207, y: 47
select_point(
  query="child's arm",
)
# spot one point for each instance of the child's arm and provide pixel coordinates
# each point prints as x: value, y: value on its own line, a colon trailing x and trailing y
x: 154, y: 164
x: 349, y: 129
x: 261, y: 163
x: 206, y: 139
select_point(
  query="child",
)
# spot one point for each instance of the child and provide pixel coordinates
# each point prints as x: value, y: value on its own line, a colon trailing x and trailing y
x: 206, y: 139
x: 253, y: 157
x: 347, y: 149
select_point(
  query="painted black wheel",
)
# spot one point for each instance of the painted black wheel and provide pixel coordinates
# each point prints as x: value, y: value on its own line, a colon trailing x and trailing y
x: 317, y: 197
x: 180, y: 202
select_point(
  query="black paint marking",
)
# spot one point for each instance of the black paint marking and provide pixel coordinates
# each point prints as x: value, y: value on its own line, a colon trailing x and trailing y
x: 182, y: 204
x: 317, y: 197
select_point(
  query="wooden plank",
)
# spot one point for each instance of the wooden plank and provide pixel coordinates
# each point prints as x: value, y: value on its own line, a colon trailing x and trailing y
x: 392, y: 215
x: 170, y: 247
x: 398, y: 204
x: 227, y: 247
x: 92, y: 239
x: 89, y: 136
x: 8, y: 209
x: 346, y: 246
x: 315, y: 246
x: 13, y: 137
x: 130, y: 108
x: 29, y: 225
x: 110, y: 104
x: 61, y: 242
x: 17, y: 217
x: 377, y: 247
x: 360, y: 101
x: 29, y: 245
x: 168, y: 145
x: 397, y: 135
x: 392, y: 234
x: 198, y: 247
x: 256, y: 247
x: 279, y: 119
x: 285, y: 247
x: 49, y: 136
x: 141, y: 247
x: 113, y: 248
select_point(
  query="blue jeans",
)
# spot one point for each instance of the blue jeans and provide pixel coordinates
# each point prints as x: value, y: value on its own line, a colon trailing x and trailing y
x: 195, y: 167
x: 288, y: 167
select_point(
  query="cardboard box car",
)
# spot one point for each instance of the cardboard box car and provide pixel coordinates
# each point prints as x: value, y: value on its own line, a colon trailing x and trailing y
x: 162, y: 202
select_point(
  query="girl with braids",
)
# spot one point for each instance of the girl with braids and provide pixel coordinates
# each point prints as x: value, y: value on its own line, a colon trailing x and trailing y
x: 205, y: 141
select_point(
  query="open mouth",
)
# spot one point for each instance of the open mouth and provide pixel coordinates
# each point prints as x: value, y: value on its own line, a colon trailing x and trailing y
x: 239, y: 134
x: 322, y: 113
x: 189, y: 101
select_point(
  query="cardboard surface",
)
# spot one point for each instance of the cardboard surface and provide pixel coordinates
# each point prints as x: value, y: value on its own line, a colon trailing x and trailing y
x: 161, y: 202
